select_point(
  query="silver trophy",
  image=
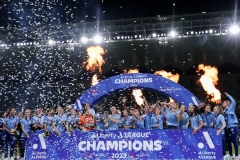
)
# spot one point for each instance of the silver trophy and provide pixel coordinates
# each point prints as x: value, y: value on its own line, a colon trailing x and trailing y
x: 106, y: 121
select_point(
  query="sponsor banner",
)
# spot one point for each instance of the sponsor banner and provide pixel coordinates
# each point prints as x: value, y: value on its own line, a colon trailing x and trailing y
x: 126, y: 144
x: 137, y: 80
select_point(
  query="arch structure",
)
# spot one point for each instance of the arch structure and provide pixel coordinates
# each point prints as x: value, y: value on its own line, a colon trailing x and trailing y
x: 136, y: 81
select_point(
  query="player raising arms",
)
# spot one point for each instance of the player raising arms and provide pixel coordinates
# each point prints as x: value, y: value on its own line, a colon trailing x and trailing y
x: 232, y: 122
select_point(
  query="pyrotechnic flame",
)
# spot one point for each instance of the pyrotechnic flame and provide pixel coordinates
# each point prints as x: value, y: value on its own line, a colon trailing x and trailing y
x: 137, y: 93
x: 95, y: 59
x: 95, y: 80
x: 208, y: 81
x: 132, y: 71
x: 168, y: 75
x: 171, y: 100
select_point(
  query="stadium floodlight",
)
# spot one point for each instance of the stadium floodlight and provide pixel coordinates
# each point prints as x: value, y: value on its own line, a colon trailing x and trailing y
x: 234, y: 29
x: 51, y: 42
x: 154, y: 35
x: 84, y: 40
x: 210, y: 31
x: 173, y: 34
x: 192, y: 32
x: 97, y: 38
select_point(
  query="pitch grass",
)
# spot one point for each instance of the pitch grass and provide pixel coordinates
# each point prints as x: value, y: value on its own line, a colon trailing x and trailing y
x: 233, y: 150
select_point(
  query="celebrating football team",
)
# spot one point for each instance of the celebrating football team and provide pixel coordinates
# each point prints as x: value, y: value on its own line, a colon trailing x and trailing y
x: 15, y: 129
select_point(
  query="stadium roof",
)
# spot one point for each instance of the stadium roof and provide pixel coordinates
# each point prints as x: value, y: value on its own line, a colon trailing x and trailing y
x: 122, y: 29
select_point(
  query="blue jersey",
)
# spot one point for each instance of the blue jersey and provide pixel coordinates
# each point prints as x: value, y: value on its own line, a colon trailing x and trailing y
x: 171, y: 118
x: 50, y: 121
x: 120, y: 122
x: 138, y: 124
x: 60, y: 122
x: 230, y: 116
x: 208, y: 119
x: 72, y: 120
x: 26, y: 124
x: 147, y: 121
x: 127, y: 121
x: 39, y: 120
x: 183, y: 120
x: 218, y: 120
x: 195, y: 121
x: 100, y: 124
x: 155, y: 120
x: 112, y: 125
x: 11, y: 122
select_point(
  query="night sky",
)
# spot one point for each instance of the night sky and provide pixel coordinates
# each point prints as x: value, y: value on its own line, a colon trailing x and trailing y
x: 64, y: 11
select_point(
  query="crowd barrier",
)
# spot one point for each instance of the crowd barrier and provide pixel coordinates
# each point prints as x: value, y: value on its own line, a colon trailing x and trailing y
x: 126, y: 144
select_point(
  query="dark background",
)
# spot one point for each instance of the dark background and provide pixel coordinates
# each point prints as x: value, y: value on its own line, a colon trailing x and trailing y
x: 45, y: 76
x: 42, y: 12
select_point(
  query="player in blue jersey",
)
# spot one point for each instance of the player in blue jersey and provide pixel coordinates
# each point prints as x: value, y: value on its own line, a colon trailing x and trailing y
x: 50, y: 123
x: 195, y: 118
x: 126, y: 120
x: 38, y: 120
x: 120, y: 119
x: 18, y: 133
x: 207, y: 116
x: 99, y: 119
x: 184, y: 118
x: 61, y: 119
x: 146, y: 115
x: 157, y: 119
x: 172, y: 116
x: 138, y: 120
x: 232, y: 123
x: 113, y: 119
x: 10, y: 125
x: 220, y: 124
x: 72, y: 122
x: 26, y: 130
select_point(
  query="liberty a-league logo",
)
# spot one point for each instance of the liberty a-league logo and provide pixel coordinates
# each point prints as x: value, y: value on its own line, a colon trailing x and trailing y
x: 42, y: 142
x: 208, y: 139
